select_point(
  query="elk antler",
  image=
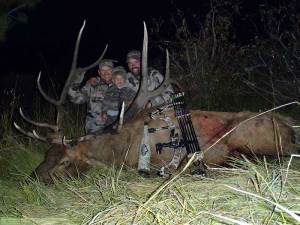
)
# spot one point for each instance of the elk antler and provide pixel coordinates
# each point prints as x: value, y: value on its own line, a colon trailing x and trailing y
x: 54, y: 128
x: 144, y: 95
x: 32, y: 134
x: 121, y: 117
x: 74, y: 72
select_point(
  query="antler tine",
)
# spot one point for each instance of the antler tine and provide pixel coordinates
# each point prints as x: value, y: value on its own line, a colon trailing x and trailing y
x: 53, y: 141
x: 30, y: 134
x: 144, y: 94
x: 71, y: 74
x: 35, y: 135
x: 74, y: 70
x: 141, y: 97
x: 167, y: 80
x: 121, y: 119
x: 51, y: 100
x: 144, y: 78
x: 96, y: 63
x: 64, y: 141
x: 167, y: 75
x: 28, y: 120
x: 76, y: 50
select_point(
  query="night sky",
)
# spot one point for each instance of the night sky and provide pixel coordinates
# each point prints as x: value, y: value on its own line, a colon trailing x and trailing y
x: 46, y: 42
x: 53, y: 26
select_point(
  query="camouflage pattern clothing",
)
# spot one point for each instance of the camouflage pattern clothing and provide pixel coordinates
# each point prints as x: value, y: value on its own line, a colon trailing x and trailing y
x: 113, y: 99
x: 93, y: 95
x: 153, y: 82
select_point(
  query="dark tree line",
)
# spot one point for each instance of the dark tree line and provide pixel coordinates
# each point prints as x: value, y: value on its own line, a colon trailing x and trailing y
x: 235, y: 57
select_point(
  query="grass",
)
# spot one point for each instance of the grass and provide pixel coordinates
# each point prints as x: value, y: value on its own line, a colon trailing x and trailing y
x: 248, y: 193
x: 232, y: 196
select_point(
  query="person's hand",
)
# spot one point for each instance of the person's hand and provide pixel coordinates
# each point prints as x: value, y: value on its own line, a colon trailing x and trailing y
x: 103, y: 117
x: 148, y: 105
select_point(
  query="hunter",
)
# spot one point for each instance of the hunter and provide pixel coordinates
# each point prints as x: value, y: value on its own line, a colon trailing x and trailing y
x: 93, y: 93
x: 133, y: 60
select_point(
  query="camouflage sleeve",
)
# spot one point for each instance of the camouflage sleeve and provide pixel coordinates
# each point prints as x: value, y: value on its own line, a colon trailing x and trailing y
x: 156, y: 78
x: 108, y: 99
x: 132, y: 82
x: 128, y: 94
x: 105, y: 105
x: 165, y: 96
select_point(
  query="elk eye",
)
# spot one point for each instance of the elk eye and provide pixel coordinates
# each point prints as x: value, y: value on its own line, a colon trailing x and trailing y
x: 66, y: 163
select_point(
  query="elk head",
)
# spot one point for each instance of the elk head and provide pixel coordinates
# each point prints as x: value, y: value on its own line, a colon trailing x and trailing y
x: 68, y: 157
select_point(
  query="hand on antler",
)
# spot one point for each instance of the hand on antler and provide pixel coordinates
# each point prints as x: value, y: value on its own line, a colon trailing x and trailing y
x: 103, y: 117
x: 148, y: 105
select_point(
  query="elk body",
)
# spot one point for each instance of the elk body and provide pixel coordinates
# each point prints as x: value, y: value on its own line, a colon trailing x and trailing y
x: 264, y: 135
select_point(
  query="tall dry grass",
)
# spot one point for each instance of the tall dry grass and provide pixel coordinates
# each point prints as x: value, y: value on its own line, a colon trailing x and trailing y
x: 261, y: 192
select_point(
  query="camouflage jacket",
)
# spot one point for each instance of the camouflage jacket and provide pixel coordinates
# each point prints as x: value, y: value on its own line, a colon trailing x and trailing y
x: 153, y: 82
x: 114, y: 97
x: 93, y: 95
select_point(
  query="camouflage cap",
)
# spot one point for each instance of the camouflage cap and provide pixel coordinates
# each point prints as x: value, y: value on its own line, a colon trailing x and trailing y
x: 134, y: 54
x: 106, y: 62
x: 119, y: 70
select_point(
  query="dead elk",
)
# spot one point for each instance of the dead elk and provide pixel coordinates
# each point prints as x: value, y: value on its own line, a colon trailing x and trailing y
x: 264, y: 135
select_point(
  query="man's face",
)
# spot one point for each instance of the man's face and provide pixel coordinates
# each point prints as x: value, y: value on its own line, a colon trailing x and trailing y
x: 134, y: 66
x: 105, y: 73
x: 119, y: 81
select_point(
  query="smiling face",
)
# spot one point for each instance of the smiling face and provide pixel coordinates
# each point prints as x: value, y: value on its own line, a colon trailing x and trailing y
x: 134, y: 66
x: 105, y: 73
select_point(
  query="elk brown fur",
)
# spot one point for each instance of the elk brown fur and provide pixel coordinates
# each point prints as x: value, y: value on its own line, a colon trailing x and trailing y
x: 264, y: 135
